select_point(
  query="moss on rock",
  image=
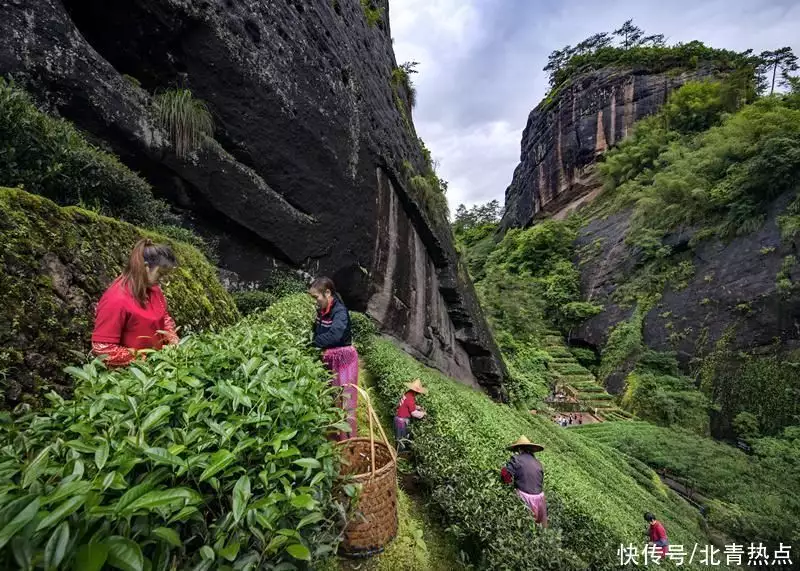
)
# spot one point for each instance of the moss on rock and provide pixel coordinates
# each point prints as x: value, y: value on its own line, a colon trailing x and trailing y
x: 56, y: 264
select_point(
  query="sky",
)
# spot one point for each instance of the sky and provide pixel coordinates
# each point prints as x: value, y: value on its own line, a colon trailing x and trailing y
x: 480, y: 65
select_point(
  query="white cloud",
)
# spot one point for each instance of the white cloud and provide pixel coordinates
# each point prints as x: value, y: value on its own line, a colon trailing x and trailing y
x: 481, y: 60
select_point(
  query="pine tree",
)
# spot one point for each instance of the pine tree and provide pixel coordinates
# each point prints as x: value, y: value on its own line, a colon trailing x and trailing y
x: 629, y: 34
x: 783, y: 61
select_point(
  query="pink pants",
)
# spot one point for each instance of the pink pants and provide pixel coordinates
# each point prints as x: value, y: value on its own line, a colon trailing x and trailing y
x: 343, y: 363
x: 537, y: 504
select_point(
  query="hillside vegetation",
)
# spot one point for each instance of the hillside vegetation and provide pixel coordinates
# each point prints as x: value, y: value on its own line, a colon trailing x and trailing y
x: 210, y: 454
x: 710, y: 164
x: 595, y: 498
x: 751, y: 498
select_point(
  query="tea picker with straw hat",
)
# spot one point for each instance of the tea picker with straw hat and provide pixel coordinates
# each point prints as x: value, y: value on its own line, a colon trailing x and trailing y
x: 408, y: 409
x: 525, y: 471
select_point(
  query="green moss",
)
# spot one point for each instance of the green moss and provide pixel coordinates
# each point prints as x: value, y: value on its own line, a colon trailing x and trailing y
x: 50, y: 157
x: 56, y: 263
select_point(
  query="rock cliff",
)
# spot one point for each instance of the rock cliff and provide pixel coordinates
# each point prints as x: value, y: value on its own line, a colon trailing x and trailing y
x: 726, y: 318
x: 304, y: 170
x: 567, y: 132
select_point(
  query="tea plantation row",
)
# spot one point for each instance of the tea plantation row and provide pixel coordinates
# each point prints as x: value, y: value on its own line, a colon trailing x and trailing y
x: 211, y: 454
x: 596, y: 499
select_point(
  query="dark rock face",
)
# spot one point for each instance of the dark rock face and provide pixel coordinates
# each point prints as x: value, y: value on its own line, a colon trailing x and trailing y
x: 565, y: 135
x: 733, y: 288
x: 303, y: 171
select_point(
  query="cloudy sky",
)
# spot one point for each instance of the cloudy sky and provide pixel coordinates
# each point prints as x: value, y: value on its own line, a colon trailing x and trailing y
x: 480, y: 65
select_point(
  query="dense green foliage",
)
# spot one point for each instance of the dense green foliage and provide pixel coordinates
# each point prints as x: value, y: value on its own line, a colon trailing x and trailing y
x: 372, y: 13
x: 658, y: 392
x: 278, y: 285
x: 426, y: 185
x: 750, y: 498
x: 211, y: 454
x: 596, y: 498
x: 401, y: 79
x: 185, y: 118
x: 475, y: 233
x: 726, y: 175
x: 628, y: 47
x: 766, y: 386
x: 531, y: 272
x: 56, y: 263
x: 50, y: 157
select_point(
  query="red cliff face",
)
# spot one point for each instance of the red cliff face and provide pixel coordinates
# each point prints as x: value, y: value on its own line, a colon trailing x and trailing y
x: 567, y: 132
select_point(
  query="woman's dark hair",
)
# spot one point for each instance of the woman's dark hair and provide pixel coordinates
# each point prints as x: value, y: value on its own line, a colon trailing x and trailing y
x: 649, y: 517
x: 145, y: 254
x: 323, y: 283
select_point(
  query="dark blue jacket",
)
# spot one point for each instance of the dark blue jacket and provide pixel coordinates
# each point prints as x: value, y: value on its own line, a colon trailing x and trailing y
x: 332, y: 329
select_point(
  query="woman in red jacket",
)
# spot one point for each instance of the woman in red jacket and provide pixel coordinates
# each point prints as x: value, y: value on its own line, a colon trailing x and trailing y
x: 406, y: 410
x: 132, y: 313
x: 657, y: 534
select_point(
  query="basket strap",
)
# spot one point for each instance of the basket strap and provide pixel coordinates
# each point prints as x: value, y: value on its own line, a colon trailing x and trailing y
x: 373, y: 419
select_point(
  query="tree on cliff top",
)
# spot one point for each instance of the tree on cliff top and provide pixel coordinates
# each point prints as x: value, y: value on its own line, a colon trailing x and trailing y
x: 628, y: 45
x: 782, y: 60
x: 629, y: 34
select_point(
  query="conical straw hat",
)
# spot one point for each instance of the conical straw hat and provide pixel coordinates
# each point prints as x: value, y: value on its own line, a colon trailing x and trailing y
x: 416, y: 386
x: 523, y: 442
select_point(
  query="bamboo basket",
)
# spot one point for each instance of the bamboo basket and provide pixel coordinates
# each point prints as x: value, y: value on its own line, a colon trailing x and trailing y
x: 373, y: 465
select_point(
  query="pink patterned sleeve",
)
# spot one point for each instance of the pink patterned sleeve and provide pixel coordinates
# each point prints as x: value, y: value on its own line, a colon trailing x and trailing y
x: 116, y: 355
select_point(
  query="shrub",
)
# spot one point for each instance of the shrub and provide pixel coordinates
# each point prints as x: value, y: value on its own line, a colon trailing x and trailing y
x: 528, y: 383
x: 214, y: 450
x: 624, y: 342
x: 656, y: 59
x: 666, y: 400
x: 187, y: 120
x: 56, y: 263
x: 372, y: 13
x: 762, y: 490
x: 363, y: 329
x: 249, y: 302
x: 586, y: 357
x: 726, y: 175
x: 429, y: 190
x: 746, y: 425
x: 595, y: 502
x: 401, y: 79
x: 50, y: 157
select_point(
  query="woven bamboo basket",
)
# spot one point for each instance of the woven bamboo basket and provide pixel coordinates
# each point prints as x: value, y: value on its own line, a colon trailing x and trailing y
x: 372, y: 464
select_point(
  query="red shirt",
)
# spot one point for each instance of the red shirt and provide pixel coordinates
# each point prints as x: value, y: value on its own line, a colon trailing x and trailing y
x: 408, y: 404
x: 121, y: 320
x: 658, y: 534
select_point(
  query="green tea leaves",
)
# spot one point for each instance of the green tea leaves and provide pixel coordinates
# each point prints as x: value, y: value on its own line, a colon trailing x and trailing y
x: 124, y: 554
x: 241, y: 495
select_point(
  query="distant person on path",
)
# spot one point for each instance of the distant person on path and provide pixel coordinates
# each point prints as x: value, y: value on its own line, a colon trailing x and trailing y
x: 657, y: 534
x: 132, y: 313
x: 332, y: 335
x: 525, y: 471
x: 406, y: 410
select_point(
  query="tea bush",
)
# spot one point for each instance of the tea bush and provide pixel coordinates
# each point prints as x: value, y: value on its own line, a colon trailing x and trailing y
x: 363, y: 329
x: 762, y: 489
x: 596, y: 499
x: 211, y: 454
x: 249, y: 302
